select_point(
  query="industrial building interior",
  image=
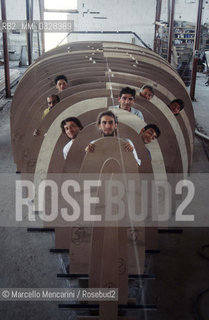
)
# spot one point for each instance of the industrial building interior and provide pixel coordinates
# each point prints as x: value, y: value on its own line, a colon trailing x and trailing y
x: 177, y: 286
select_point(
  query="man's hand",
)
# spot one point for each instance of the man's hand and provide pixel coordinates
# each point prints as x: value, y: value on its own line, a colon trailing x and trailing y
x: 90, y: 148
x: 36, y: 132
x: 128, y: 147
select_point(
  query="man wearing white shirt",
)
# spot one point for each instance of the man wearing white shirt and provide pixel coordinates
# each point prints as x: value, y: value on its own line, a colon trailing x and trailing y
x: 126, y: 101
x: 107, y: 125
x: 149, y: 133
x: 71, y: 127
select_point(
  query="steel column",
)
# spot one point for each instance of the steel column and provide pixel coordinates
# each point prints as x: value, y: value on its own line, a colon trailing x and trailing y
x: 195, y: 50
x: 6, y: 55
x: 157, y: 19
x: 41, y: 12
x: 171, y: 31
x: 29, y: 18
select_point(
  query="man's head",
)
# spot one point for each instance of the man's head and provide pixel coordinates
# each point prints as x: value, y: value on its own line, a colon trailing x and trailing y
x: 147, y: 92
x: 176, y: 106
x: 61, y: 82
x: 127, y: 98
x: 107, y: 123
x: 71, y: 127
x: 149, y: 133
x: 52, y: 100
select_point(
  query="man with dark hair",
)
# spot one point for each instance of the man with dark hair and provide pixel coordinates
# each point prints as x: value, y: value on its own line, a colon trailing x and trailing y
x: 52, y: 100
x: 149, y: 133
x: 126, y: 101
x: 147, y: 92
x: 176, y: 106
x: 71, y: 127
x: 61, y: 82
x: 109, y: 114
x: 107, y: 124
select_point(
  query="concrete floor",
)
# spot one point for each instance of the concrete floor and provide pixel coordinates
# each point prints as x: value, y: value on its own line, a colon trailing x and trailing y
x: 181, y: 273
x: 201, y: 105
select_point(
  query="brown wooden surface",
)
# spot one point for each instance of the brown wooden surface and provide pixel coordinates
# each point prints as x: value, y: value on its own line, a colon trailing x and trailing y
x: 96, y: 72
x: 126, y: 66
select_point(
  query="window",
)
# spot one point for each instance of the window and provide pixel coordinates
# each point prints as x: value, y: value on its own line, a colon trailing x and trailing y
x: 53, y: 39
